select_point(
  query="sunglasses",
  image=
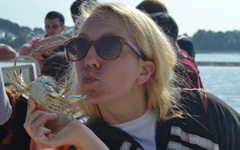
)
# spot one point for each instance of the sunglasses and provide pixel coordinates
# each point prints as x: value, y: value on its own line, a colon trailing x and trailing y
x: 107, y: 47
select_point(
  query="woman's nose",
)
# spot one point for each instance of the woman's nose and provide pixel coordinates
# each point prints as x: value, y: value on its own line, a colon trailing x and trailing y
x: 92, y: 60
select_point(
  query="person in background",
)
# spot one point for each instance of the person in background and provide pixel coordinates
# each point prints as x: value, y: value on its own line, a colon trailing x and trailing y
x: 76, y: 13
x: 12, y: 133
x: 6, y: 53
x: 124, y: 63
x: 56, y: 66
x: 185, y: 67
x: 54, y: 24
x: 59, y: 40
x: 185, y: 43
x: 155, y: 6
x: 152, y: 6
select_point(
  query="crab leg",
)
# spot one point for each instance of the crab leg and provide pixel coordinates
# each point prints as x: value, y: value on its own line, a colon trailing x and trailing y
x: 58, y: 104
x: 15, y: 70
x: 19, y: 86
x: 62, y: 91
x: 56, y: 84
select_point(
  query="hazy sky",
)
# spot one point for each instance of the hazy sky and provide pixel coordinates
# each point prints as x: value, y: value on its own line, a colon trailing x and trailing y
x: 190, y: 15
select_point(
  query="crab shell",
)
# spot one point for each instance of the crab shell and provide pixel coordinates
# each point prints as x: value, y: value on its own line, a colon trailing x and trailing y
x: 40, y: 89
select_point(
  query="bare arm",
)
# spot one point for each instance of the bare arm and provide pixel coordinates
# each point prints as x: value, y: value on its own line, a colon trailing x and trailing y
x: 28, y: 49
x: 7, y: 52
x: 52, y: 42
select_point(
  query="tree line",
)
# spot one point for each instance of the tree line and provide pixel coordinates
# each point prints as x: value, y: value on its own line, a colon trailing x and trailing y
x: 216, y: 41
x: 15, y: 36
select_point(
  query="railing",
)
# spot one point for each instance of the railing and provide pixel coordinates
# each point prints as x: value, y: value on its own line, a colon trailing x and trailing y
x: 203, y: 63
x: 27, y: 70
x: 38, y: 71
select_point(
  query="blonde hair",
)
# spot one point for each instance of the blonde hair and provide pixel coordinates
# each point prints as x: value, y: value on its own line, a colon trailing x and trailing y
x: 157, y: 48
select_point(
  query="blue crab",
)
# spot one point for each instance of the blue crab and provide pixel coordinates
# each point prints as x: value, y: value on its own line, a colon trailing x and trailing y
x: 45, y: 90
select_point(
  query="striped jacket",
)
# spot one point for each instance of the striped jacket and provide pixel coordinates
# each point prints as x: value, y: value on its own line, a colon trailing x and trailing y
x: 210, y: 125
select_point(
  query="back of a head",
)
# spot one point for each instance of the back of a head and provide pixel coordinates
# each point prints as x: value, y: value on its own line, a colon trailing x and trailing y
x: 56, y: 65
x: 185, y: 43
x: 75, y: 7
x: 167, y: 23
x: 152, y: 6
x: 56, y: 15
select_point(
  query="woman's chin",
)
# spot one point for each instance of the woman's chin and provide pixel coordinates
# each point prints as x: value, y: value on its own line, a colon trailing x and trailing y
x: 94, y: 98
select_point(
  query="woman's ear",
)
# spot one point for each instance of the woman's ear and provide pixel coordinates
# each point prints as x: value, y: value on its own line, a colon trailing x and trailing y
x: 147, y: 70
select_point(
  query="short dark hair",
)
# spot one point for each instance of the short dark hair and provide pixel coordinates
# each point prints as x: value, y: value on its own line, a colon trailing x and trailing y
x: 167, y: 23
x: 152, y: 6
x: 56, y: 15
x: 75, y: 7
x: 56, y: 65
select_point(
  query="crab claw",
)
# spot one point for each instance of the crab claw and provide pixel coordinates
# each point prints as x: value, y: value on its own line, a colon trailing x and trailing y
x: 20, y: 76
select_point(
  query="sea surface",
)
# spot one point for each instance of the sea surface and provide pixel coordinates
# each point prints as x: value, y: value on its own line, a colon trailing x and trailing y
x: 222, y: 81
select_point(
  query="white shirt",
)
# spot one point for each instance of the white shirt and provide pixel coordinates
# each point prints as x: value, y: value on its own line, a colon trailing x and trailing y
x: 142, y: 129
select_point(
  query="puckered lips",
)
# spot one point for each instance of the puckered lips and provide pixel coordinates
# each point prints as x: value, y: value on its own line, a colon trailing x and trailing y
x: 89, y: 79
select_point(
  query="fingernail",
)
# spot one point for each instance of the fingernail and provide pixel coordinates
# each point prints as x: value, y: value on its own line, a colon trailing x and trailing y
x: 53, y: 114
x: 29, y: 101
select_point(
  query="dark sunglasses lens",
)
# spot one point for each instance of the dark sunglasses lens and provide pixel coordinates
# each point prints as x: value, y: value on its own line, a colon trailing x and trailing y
x: 109, y: 47
x: 77, y: 49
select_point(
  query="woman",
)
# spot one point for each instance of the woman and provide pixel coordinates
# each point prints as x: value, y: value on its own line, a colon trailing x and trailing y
x: 125, y: 64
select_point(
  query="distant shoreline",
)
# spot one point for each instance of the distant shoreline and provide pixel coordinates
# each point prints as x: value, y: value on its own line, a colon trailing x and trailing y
x: 219, y: 52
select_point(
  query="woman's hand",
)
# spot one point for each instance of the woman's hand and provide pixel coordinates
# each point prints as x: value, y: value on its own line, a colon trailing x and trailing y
x: 51, y: 129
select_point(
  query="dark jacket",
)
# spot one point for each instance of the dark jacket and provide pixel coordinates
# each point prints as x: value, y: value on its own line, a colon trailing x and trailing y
x: 210, y: 124
x: 187, y: 69
x: 13, y: 136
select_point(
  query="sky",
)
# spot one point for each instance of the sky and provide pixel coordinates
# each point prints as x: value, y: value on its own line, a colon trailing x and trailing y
x: 190, y: 15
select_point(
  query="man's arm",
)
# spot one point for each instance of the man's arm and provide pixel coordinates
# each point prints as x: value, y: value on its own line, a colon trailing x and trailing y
x: 50, y: 43
x: 26, y: 49
x: 29, y: 49
x: 6, y: 52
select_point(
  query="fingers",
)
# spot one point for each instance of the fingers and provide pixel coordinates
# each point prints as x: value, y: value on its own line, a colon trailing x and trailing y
x: 41, y: 139
x: 44, y: 108
x: 31, y: 106
x: 41, y: 132
x: 37, y: 119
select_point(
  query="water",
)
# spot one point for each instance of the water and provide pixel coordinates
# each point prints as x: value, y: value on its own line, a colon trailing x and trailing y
x: 218, y: 57
x: 224, y: 82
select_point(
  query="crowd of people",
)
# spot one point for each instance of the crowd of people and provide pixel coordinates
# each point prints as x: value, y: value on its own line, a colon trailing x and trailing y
x: 144, y: 88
